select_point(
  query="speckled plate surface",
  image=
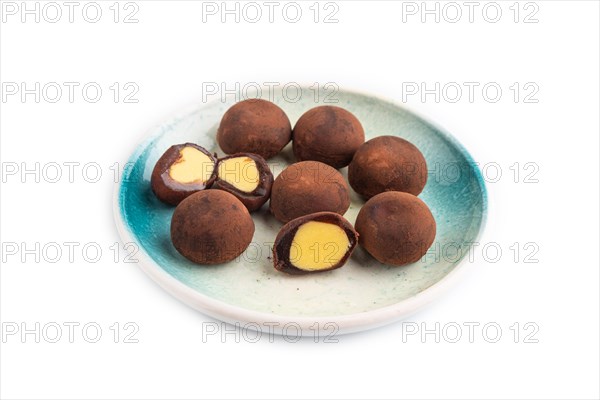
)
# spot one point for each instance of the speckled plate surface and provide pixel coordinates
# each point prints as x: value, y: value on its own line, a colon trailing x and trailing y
x: 361, y: 295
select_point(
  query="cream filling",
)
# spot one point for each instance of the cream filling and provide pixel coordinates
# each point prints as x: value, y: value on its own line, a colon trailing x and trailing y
x: 192, y: 166
x: 240, y: 172
x: 318, y: 245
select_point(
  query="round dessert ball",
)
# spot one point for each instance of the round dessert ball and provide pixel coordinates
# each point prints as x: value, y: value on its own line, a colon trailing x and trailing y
x: 308, y: 187
x: 387, y: 163
x: 395, y: 228
x: 314, y: 243
x: 254, y: 126
x: 327, y: 134
x: 246, y: 176
x: 211, y: 227
x: 182, y: 170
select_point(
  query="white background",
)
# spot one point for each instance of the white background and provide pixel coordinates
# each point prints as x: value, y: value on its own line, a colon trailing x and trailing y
x: 169, y: 53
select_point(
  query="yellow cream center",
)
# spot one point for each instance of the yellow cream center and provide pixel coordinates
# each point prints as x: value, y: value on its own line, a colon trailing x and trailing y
x: 318, y: 245
x: 192, y: 166
x: 240, y: 172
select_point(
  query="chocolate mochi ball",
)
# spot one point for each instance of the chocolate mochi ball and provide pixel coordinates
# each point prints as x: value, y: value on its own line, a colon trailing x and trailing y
x: 254, y: 126
x: 308, y: 187
x: 396, y: 228
x: 314, y: 243
x: 246, y: 176
x: 211, y: 227
x: 387, y: 163
x: 328, y: 134
x: 182, y: 170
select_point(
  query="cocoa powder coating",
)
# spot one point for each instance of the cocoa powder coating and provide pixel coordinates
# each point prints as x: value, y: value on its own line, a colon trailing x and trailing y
x: 395, y: 228
x: 308, y: 187
x: 211, y: 227
x: 254, y: 126
x: 387, y: 163
x: 327, y: 134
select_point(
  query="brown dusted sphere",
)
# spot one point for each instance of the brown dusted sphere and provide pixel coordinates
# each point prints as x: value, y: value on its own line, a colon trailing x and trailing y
x: 387, y: 163
x: 211, y: 227
x: 327, y: 134
x: 395, y: 228
x: 254, y: 126
x: 308, y: 187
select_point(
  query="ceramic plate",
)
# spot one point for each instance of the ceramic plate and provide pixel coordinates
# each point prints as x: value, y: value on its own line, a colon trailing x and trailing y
x: 249, y: 291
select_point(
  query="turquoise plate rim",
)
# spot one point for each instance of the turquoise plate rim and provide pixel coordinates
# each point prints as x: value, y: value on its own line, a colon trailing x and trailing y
x: 252, y: 319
